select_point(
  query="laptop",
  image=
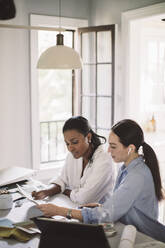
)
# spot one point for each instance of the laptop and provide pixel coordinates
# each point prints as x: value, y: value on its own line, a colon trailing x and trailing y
x: 62, y: 234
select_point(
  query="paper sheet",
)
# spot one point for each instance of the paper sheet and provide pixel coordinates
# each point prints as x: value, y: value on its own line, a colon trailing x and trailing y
x: 29, y: 196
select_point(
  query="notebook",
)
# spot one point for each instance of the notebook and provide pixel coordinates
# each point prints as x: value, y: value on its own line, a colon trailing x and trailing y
x: 70, y: 234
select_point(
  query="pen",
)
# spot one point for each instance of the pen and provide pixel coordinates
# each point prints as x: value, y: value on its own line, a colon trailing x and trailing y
x: 20, y: 198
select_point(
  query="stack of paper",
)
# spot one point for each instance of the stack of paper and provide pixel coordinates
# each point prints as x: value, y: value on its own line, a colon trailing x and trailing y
x: 14, y: 174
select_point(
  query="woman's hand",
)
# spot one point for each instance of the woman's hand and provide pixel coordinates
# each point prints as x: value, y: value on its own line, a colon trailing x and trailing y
x: 67, y: 192
x: 47, y: 192
x: 49, y: 209
x: 40, y: 194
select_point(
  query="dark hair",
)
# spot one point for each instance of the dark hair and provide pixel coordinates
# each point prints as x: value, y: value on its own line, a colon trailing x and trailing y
x: 82, y: 125
x: 129, y: 132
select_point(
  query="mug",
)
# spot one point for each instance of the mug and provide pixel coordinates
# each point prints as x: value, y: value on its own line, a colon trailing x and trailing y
x: 6, y: 201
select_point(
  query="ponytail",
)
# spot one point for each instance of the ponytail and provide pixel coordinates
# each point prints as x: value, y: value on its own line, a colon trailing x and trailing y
x: 152, y: 162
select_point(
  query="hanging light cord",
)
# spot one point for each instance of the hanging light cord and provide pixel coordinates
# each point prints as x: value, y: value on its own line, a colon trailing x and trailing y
x: 60, y: 37
x: 60, y: 14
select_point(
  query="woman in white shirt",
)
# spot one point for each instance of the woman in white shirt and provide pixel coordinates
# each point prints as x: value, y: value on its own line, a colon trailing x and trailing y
x: 87, y: 175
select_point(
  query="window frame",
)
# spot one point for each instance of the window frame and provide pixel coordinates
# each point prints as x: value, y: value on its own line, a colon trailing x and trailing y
x: 97, y: 29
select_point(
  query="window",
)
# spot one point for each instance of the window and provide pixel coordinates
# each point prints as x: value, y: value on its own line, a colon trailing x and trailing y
x: 97, y: 77
x: 52, y: 92
x: 55, y: 101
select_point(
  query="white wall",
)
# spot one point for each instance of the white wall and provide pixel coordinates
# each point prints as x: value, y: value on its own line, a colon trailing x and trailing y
x: 15, y: 122
x: 14, y: 94
x: 109, y: 11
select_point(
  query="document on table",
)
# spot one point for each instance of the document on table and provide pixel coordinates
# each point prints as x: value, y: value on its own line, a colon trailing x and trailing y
x: 29, y: 196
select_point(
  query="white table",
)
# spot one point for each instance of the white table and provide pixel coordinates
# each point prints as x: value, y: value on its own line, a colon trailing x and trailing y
x: 22, y: 214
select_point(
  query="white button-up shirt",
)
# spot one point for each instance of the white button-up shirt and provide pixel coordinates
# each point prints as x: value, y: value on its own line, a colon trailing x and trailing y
x: 97, y: 180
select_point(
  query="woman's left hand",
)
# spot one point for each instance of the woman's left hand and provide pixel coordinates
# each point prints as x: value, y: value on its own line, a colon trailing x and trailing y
x: 48, y: 209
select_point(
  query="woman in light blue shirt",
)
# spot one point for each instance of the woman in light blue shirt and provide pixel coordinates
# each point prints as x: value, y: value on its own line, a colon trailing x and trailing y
x: 138, y: 185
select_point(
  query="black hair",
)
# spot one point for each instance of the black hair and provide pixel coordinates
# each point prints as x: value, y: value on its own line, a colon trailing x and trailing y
x: 129, y: 132
x: 81, y: 124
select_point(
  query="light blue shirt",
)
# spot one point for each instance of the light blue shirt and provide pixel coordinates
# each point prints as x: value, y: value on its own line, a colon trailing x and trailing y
x: 133, y: 190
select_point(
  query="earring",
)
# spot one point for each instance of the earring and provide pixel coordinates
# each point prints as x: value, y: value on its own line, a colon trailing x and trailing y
x: 129, y: 150
x: 89, y: 141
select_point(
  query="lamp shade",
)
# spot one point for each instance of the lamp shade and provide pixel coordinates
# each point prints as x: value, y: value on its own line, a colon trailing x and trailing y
x: 59, y: 57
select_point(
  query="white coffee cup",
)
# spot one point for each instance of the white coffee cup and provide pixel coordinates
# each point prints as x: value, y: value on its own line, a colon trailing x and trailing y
x: 6, y: 201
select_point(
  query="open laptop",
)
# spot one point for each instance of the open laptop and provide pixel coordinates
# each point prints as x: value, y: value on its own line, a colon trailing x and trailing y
x: 70, y: 234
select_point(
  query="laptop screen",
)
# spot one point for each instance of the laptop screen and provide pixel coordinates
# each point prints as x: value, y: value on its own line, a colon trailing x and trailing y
x: 62, y: 234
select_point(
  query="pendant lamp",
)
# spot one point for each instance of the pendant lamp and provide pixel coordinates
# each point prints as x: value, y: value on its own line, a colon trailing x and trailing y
x: 59, y: 56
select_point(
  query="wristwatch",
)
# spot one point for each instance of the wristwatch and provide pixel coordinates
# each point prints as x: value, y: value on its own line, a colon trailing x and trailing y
x: 69, y: 214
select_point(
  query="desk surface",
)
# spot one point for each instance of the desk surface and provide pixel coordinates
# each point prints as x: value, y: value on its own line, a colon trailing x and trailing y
x: 27, y: 210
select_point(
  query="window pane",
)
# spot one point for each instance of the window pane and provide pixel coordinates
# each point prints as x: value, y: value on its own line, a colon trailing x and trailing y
x: 55, y: 94
x: 52, y: 141
x: 88, y: 47
x: 57, y: 145
x: 104, y: 133
x: 88, y: 109
x: 104, y: 106
x: 44, y: 142
x: 61, y: 146
x: 104, y: 42
x: 104, y: 79
x: 88, y: 79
